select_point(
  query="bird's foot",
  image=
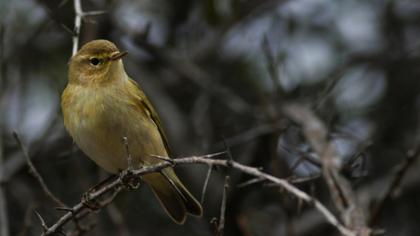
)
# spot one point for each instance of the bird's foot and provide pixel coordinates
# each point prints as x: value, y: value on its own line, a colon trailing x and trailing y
x: 90, y: 203
x: 129, y: 179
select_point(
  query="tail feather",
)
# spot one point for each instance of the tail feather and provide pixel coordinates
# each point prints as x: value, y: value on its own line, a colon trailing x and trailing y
x: 173, y: 195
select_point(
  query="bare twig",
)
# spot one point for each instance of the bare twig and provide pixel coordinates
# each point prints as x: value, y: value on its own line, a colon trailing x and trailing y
x: 77, y: 24
x: 221, y: 225
x: 191, y: 71
x: 272, y: 64
x: 401, y: 172
x: 253, y: 133
x: 206, y: 182
x: 43, y: 224
x: 17, y: 160
x: 343, y: 195
x: 79, y: 15
x: 4, y: 222
x: 207, y: 161
x: 250, y: 182
x: 35, y: 172
x: 93, y: 13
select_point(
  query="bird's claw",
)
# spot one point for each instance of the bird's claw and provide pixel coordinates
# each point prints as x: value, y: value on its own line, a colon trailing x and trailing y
x: 92, y: 204
x: 129, y: 180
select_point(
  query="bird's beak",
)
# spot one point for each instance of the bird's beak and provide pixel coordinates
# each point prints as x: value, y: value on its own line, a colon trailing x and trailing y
x: 117, y: 55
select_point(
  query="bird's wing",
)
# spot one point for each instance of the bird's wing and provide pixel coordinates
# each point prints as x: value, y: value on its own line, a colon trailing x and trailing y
x: 149, y: 110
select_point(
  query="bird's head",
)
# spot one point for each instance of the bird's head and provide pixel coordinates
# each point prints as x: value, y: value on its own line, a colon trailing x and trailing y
x: 97, y: 62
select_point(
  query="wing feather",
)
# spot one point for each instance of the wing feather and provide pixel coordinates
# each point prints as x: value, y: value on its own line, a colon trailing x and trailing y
x: 146, y: 106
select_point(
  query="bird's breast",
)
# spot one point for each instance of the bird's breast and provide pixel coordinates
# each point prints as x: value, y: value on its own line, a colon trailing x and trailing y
x: 98, y: 119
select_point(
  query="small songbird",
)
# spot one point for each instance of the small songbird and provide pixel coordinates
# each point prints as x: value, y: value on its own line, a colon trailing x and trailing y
x: 101, y: 105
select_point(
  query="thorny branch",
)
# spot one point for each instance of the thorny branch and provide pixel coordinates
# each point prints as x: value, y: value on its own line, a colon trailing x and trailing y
x: 207, y: 160
x: 343, y: 196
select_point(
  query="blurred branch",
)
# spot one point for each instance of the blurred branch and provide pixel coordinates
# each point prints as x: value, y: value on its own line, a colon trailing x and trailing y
x: 254, y: 133
x: 36, y: 174
x: 77, y: 24
x: 188, y: 69
x: 206, y: 159
x: 17, y: 161
x: 394, y: 184
x: 4, y: 221
x: 272, y: 67
x: 343, y: 195
x: 221, y: 225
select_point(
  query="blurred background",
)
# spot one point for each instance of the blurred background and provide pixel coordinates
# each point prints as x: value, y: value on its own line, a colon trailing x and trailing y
x: 222, y: 71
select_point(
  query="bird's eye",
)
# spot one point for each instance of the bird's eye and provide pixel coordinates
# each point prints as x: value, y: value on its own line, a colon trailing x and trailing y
x: 94, y: 61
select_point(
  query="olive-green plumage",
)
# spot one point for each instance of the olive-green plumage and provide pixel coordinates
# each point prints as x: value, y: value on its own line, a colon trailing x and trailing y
x: 101, y: 105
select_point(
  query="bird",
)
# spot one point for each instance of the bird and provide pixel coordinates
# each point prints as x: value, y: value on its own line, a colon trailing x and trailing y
x: 102, y: 105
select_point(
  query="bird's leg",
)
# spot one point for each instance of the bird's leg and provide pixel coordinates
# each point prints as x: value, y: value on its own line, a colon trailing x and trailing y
x: 129, y: 180
x: 102, y: 183
x: 94, y: 204
x: 90, y: 203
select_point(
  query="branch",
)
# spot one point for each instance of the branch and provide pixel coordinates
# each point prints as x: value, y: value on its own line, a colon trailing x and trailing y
x: 395, y: 183
x: 221, y: 225
x: 206, y: 159
x: 206, y: 182
x: 343, y: 196
x: 79, y: 15
x: 4, y: 221
x: 77, y: 24
x: 35, y: 172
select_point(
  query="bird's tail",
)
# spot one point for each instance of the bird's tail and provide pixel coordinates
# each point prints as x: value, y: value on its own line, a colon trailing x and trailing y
x: 173, y: 195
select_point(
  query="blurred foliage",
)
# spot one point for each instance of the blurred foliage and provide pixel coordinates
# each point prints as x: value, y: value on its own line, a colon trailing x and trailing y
x: 221, y: 70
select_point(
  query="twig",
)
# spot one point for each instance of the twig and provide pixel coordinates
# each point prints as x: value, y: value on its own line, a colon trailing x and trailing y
x: 4, y: 221
x: 17, y: 160
x: 77, y: 24
x: 394, y: 184
x: 215, y: 162
x: 250, y: 182
x: 253, y: 133
x: 206, y: 182
x: 43, y: 224
x: 221, y: 225
x: 272, y: 64
x: 35, y: 172
x: 93, y: 13
x: 79, y: 15
x: 304, y: 179
x: 343, y: 195
x: 191, y: 71
x: 166, y: 159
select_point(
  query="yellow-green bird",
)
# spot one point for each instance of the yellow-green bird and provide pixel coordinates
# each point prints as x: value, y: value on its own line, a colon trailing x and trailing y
x: 101, y: 105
